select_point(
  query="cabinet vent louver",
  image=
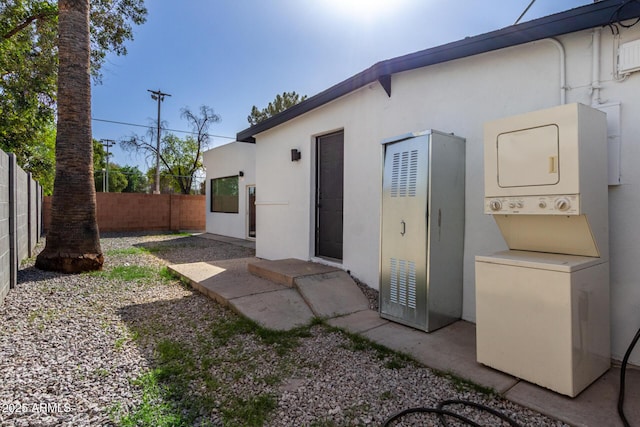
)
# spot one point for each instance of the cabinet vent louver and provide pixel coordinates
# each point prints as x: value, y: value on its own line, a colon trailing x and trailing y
x: 404, y: 174
x: 402, y: 282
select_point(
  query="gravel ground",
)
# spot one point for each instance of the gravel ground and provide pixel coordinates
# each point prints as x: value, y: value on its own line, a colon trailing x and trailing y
x: 73, y: 350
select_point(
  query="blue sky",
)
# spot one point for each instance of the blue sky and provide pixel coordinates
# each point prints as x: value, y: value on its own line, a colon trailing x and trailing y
x: 233, y: 54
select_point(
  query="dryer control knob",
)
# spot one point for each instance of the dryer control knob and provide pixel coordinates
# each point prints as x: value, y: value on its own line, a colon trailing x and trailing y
x: 495, y: 205
x: 562, y: 204
x: 542, y: 204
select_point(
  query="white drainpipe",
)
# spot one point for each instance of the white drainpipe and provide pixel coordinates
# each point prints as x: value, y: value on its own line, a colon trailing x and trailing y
x: 595, y: 68
x: 563, y: 73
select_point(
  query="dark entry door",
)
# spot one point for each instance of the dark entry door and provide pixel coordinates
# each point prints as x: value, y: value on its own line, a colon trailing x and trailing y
x: 329, y: 193
x: 251, y: 211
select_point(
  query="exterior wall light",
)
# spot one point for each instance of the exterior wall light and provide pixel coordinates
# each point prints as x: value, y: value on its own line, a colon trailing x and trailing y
x: 295, y: 155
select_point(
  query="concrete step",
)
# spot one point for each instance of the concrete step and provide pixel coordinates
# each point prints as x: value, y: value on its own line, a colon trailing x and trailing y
x: 328, y: 291
x: 282, y: 294
x: 284, y: 271
x: 228, y: 282
x: 331, y: 294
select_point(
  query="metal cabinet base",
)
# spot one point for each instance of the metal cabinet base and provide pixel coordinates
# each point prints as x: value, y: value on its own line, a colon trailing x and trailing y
x: 422, y: 230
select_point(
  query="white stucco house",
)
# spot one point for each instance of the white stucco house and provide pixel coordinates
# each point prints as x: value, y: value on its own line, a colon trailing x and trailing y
x: 231, y: 190
x: 586, y: 55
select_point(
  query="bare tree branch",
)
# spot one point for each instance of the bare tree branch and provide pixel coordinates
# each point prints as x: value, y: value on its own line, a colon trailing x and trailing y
x: 182, y: 158
x: 27, y: 22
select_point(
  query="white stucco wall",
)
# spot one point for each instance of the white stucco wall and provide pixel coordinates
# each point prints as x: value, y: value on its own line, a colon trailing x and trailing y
x: 228, y: 160
x: 458, y: 96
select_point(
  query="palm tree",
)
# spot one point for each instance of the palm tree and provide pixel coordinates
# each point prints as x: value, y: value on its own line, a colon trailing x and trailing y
x: 73, y: 240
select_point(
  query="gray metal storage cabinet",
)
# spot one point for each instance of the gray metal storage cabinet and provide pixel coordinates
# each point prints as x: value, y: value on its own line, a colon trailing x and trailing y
x: 422, y: 230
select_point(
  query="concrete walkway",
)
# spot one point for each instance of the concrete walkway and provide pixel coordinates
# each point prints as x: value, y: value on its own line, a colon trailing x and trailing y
x: 233, y: 240
x: 287, y: 294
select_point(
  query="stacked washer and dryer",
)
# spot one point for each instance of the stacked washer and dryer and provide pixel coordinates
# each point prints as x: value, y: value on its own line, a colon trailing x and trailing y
x: 542, y: 307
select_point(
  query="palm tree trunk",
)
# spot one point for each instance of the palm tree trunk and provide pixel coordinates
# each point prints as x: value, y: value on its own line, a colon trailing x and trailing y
x: 73, y: 240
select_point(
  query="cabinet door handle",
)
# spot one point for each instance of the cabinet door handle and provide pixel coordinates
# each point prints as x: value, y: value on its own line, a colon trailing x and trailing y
x: 403, y: 227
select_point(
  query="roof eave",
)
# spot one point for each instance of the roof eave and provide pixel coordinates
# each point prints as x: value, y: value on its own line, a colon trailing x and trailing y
x: 589, y: 16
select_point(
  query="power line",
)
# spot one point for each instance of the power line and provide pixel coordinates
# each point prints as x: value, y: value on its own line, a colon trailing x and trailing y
x: 152, y: 127
x: 525, y: 11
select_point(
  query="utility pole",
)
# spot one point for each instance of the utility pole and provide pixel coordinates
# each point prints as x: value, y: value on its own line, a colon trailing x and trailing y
x: 107, y: 143
x: 157, y: 95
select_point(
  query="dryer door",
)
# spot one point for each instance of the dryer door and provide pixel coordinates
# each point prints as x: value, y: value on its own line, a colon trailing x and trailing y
x: 528, y: 157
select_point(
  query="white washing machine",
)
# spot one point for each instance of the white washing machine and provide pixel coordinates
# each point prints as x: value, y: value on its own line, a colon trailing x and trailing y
x: 540, y: 317
x: 542, y: 307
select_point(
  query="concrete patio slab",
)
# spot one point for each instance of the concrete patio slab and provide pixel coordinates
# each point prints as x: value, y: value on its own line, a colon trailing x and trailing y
x: 226, y: 239
x: 450, y: 349
x: 235, y: 281
x: 224, y: 280
x: 331, y: 294
x: 595, y: 406
x: 358, y: 322
x: 282, y: 310
x: 195, y: 272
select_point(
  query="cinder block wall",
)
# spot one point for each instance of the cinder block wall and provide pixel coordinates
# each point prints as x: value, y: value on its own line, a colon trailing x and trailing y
x: 22, y: 213
x: 20, y: 207
x: 35, y: 196
x: 145, y: 212
x: 5, y: 256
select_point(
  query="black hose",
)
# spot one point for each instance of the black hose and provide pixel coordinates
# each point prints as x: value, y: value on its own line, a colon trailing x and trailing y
x: 484, y: 408
x: 443, y: 412
x: 623, y: 370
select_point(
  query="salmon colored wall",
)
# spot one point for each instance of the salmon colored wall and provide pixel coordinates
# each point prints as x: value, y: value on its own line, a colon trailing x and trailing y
x: 145, y: 212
